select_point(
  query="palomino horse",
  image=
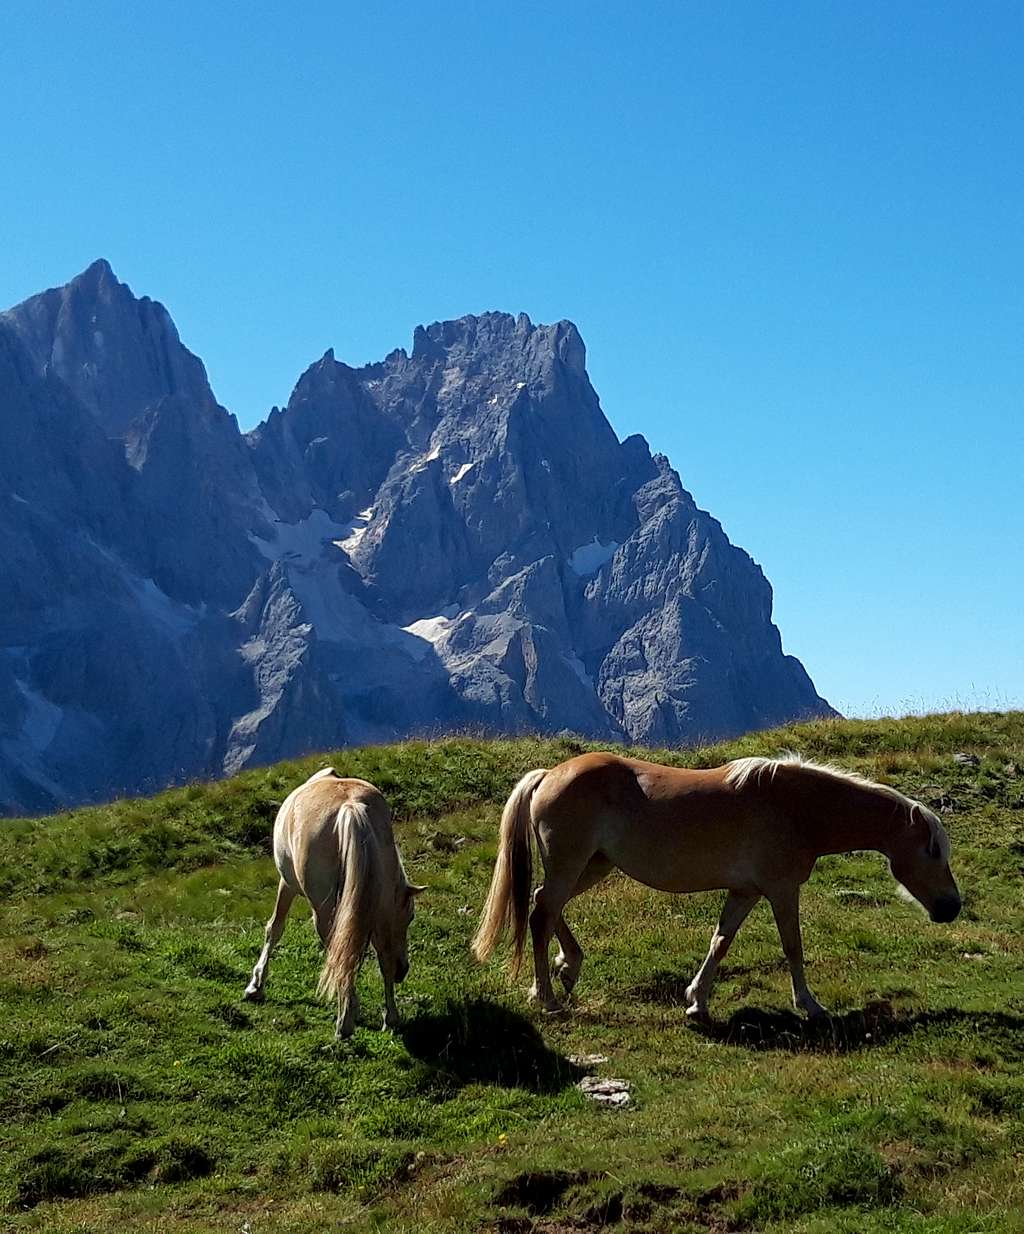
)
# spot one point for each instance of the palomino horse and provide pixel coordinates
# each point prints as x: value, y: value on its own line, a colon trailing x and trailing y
x: 754, y: 827
x: 334, y: 845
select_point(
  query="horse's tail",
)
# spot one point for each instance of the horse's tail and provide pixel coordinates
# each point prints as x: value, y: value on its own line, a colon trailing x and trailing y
x: 353, y: 912
x: 508, y: 901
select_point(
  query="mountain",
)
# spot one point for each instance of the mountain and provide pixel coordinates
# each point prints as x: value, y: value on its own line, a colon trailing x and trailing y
x: 453, y: 537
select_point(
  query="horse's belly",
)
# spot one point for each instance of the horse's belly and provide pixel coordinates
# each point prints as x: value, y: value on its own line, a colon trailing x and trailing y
x: 680, y: 881
x: 683, y: 868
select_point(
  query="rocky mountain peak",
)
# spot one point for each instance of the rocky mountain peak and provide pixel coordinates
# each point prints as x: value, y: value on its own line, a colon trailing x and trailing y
x: 95, y: 275
x: 493, y: 335
x: 117, y: 353
x: 453, y: 536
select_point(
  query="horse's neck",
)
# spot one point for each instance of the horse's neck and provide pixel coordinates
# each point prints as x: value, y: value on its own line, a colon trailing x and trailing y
x: 389, y: 863
x: 841, y: 817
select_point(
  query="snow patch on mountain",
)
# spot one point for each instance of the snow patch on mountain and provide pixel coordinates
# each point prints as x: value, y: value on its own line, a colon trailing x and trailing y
x: 305, y: 540
x: 589, y: 558
x: 42, y: 718
x: 580, y: 669
x: 432, y: 629
x: 158, y: 608
x: 355, y: 531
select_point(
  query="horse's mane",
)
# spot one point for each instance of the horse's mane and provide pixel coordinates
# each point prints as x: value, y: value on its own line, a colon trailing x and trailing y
x: 742, y: 770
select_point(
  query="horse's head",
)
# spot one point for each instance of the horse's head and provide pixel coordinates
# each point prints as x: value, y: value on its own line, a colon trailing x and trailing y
x: 919, y: 860
x: 391, y: 940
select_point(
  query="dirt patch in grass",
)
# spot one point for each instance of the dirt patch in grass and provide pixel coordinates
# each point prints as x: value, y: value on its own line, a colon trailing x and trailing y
x: 64, y: 1171
x: 538, y: 1191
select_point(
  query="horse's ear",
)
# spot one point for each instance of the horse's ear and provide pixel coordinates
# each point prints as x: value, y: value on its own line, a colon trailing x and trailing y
x: 919, y: 816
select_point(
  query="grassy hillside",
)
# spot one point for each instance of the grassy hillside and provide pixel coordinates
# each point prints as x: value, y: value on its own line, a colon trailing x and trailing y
x: 138, y: 1092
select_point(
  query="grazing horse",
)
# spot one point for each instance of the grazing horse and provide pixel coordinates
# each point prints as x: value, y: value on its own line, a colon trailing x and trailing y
x: 333, y: 844
x: 754, y: 827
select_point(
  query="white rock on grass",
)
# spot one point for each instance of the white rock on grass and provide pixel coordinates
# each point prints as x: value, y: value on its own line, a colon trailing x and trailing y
x: 607, y: 1092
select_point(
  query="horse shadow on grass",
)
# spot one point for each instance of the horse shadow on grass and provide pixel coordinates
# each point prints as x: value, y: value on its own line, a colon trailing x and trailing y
x: 866, y: 1028
x: 477, y: 1041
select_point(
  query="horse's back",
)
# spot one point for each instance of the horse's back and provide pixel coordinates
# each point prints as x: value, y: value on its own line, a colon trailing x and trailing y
x: 626, y: 783
x: 673, y: 828
x: 326, y: 792
x: 306, y: 833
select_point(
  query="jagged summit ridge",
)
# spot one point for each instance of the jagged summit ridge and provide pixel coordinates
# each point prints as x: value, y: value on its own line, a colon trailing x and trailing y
x: 450, y: 536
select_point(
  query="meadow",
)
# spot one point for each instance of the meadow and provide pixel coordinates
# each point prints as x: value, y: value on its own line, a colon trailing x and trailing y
x: 139, y: 1092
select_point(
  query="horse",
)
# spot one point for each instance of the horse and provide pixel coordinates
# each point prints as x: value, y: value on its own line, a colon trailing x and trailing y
x: 333, y: 844
x: 754, y: 827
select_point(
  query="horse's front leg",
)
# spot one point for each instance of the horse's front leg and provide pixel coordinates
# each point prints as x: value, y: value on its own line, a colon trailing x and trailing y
x: 393, y: 965
x: 392, y: 1017
x: 734, y: 912
x: 786, y: 908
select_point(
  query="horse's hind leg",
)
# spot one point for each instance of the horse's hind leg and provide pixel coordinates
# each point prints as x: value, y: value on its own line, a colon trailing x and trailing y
x: 569, y: 960
x: 547, y: 909
x: 274, y: 930
x: 348, y: 1000
x: 734, y: 912
x: 348, y: 1013
x: 562, y: 873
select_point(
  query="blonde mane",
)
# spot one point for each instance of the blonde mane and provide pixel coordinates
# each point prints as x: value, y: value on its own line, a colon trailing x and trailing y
x: 742, y: 770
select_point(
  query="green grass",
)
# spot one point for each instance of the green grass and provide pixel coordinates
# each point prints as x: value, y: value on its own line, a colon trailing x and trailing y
x: 137, y: 1090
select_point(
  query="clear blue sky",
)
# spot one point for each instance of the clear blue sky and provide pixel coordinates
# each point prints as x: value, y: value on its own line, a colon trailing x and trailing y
x: 791, y: 236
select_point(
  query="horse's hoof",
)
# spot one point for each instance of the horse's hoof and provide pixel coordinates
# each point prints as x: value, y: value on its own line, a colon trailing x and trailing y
x: 550, y: 1005
x: 568, y: 977
x: 254, y: 994
x: 391, y: 1022
x: 698, y: 1015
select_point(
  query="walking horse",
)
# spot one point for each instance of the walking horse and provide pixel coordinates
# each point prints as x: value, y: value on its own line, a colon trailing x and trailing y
x: 754, y: 827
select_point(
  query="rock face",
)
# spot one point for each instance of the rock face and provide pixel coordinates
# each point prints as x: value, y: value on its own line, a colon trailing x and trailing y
x: 452, y: 537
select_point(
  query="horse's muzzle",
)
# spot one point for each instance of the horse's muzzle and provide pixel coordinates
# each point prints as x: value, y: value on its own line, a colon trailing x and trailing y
x: 946, y: 908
